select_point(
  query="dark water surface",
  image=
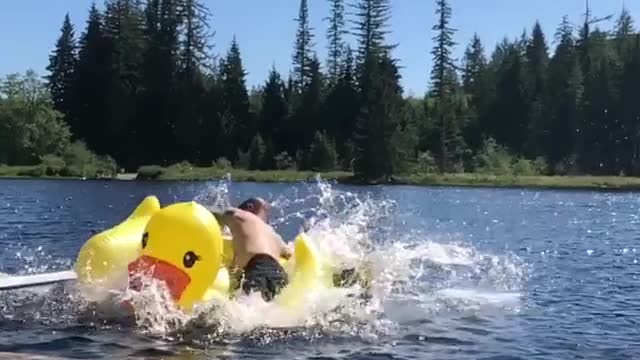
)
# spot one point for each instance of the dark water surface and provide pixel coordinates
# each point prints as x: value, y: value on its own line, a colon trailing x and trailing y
x: 503, y: 274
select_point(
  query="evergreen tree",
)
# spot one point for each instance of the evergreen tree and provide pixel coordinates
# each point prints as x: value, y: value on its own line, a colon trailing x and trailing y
x: 195, y: 46
x: 123, y: 27
x: 336, y: 45
x: 303, y: 53
x: 341, y: 108
x: 274, y: 111
x: 565, y: 97
x: 624, y: 32
x: 308, y: 114
x: 510, y: 108
x: 370, y: 31
x: 193, y: 60
x: 378, y: 120
x: 630, y: 112
x: 61, y: 69
x: 537, y: 58
x: 475, y: 80
x: 601, y: 118
x: 155, y: 128
x: 443, y: 87
x: 236, y: 102
x: 91, y: 84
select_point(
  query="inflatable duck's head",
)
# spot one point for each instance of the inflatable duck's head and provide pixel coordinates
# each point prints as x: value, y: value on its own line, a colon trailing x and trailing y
x: 182, y: 247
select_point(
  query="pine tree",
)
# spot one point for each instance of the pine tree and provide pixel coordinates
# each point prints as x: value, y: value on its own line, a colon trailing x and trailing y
x: 236, y: 101
x: 91, y: 84
x: 443, y: 87
x: 157, y: 99
x: 537, y: 58
x: 341, y: 107
x: 565, y: 97
x: 378, y: 120
x: 599, y: 157
x: 123, y: 27
x: 370, y: 31
x: 624, y: 32
x: 510, y: 109
x: 336, y: 45
x: 308, y: 114
x: 274, y: 111
x: 61, y: 69
x: 195, y: 47
x: 303, y: 54
x: 630, y: 112
x: 194, y: 60
x: 380, y: 95
x: 475, y: 80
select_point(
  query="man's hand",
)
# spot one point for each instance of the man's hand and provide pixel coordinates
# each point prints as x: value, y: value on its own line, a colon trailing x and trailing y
x: 287, y: 251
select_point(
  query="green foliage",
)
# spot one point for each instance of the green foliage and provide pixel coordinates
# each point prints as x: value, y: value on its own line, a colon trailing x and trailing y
x: 496, y: 160
x: 256, y: 153
x: 322, y: 153
x: 140, y: 84
x: 223, y: 163
x: 29, y: 126
x: 493, y: 159
x: 284, y: 161
x: 53, y: 164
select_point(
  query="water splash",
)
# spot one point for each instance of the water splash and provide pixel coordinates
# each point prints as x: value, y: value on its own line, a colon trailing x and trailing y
x: 410, y: 273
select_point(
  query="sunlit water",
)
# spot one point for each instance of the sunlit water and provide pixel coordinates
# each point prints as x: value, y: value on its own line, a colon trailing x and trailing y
x: 458, y: 274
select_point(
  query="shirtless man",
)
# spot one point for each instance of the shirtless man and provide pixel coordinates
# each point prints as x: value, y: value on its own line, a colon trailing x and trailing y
x: 257, y: 248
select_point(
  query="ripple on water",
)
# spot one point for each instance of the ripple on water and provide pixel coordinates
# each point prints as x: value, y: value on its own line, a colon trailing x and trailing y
x: 460, y: 273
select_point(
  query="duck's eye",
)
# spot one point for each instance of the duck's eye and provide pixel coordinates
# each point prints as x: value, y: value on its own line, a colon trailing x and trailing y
x: 190, y: 259
x: 145, y: 239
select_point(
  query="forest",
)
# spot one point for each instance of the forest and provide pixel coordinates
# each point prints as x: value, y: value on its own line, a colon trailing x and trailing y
x: 141, y: 85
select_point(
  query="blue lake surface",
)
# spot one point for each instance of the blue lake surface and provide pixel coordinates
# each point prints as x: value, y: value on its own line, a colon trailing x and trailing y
x: 494, y: 273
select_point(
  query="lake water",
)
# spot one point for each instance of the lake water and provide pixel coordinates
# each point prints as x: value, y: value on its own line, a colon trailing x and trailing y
x: 458, y: 273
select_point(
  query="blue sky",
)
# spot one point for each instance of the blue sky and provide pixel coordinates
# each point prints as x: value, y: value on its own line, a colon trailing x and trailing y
x: 265, y: 29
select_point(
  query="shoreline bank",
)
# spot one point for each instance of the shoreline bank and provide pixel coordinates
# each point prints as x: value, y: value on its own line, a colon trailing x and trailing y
x: 154, y: 173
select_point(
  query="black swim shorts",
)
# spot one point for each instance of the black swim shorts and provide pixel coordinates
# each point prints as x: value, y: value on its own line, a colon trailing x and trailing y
x: 265, y: 274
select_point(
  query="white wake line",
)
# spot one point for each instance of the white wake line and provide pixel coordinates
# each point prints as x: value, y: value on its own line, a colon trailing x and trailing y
x: 13, y: 282
x: 486, y: 297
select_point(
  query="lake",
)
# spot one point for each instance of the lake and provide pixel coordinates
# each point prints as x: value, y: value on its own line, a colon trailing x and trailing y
x: 459, y: 273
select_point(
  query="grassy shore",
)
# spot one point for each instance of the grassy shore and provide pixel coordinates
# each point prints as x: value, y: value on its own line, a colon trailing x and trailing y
x: 546, y: 182
x: 476, y: 180
x: 188, y: 173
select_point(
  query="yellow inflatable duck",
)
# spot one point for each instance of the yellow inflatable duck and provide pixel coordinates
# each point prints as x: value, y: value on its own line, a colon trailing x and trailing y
x: 101, y: 264
x: 181, y: 246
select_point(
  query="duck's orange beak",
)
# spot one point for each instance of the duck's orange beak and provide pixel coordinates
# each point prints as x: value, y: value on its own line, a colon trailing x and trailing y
x: 175, y: 278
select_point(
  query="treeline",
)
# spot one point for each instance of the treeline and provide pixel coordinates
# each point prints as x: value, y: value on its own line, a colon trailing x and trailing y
x: 142, y: 85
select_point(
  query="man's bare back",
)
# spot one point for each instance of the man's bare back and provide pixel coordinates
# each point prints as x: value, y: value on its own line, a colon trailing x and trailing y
x: 252, y: 236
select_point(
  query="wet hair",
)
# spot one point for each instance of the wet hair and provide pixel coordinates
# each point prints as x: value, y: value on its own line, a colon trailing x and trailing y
x: 252, y: 205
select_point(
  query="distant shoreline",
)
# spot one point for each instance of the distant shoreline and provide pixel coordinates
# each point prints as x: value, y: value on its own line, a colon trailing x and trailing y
x: 156, y: 173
